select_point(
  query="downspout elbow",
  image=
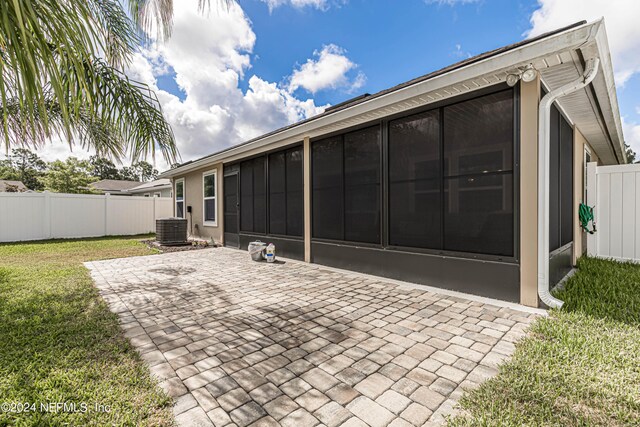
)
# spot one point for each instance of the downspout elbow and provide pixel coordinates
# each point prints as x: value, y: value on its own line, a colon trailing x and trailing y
x: 591, y: 69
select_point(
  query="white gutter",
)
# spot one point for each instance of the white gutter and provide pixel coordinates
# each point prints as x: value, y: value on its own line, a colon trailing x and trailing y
x: 589, y: 74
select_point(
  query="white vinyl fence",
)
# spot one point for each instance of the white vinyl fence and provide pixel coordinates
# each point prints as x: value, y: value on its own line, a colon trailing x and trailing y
x: 615, y: 193
x: 37, y: 216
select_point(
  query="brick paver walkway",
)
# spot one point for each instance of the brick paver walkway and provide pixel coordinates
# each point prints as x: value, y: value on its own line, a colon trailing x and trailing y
x: 294, y: 344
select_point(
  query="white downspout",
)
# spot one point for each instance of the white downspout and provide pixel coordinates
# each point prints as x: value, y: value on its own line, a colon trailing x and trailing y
x: 591, y: 69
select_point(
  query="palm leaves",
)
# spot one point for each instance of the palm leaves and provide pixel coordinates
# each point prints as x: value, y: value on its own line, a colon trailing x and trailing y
x: 60, y: 73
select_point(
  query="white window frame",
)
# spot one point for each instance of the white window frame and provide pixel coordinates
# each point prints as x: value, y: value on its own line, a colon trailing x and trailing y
x: 157, y: 194
x: 147, y: 195
x: 213, y: 172
x: 184, y: 197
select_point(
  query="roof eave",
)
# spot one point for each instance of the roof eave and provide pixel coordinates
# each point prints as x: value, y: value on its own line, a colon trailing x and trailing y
x: 571, y: 39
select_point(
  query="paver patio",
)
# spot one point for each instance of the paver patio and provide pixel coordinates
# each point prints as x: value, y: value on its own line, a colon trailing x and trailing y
x: 242, y: 343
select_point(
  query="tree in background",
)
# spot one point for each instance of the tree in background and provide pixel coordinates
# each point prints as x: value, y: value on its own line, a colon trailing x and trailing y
x: 103, y: 168
x: 631, y: 155
x: 139, y: 171
x: 71, y: 176
x: 24, y: 165
x: 61, y: 66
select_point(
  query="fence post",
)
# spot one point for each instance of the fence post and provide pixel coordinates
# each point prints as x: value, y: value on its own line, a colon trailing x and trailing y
x: 592, y: 200
x: 47, y: 214
x: 107, y: 196
x: 155, y: 208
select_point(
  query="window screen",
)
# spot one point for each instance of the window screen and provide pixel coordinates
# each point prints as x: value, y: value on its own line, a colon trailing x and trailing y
x: 566, y: 182
x: 554, y: 180
x: 362, y: 186
x: 479, y: 135
x: 260, y: 196
x: 478, y: 175
x: 414, y: 181
x: 295, y: 190
x: 328, y: 184
x: 277, y: 194
x: 230, y: 203
x: 286, y: 210
x: 246, y: 196
x: 478, y: 214
x: 253, y: 199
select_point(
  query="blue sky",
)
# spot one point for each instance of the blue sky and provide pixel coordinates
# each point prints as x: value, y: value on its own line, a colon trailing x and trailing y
x: 230, y: 75
x: 391, y: 42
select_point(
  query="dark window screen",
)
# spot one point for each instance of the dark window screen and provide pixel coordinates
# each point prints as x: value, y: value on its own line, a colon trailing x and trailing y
x: 328, y: 183
x: 479, y: 135
x: 479, y: 214
x: 362, y: 186
x: 286, y: 209
x: 554, y: 180
x: 260, y: 196
x: 246, y: 196
x: 230, y: 202
x: 253, y: 200
x: 414, y: 181
x: 478, y: 159
x: 295, y: 199
x: 566, y: 182
x: 277, y: 194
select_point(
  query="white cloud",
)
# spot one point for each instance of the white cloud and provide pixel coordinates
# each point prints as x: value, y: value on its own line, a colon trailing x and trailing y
x: 631, y: 132
x: 460, y: 53
x: 450, y: 2
x: 299, y: 4
x: 621, y: 19
x: 329, y: 69
x: 210, y: 55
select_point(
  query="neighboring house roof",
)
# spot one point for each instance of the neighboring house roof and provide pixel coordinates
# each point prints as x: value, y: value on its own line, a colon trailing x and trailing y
x: 113, y: 185
x: 158, y: 184
x: 559, y: 56
x: 5, y: 183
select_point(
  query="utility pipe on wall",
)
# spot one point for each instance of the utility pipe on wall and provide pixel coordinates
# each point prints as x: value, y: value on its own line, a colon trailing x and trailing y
x: 591, y: 69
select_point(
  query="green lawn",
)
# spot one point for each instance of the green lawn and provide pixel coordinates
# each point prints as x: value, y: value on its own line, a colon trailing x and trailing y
x: 60, y: 343
x: 578, y: 367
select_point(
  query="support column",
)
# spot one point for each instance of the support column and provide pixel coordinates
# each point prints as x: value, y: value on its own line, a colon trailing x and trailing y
x: 307, y: 199
x: 529, y: 102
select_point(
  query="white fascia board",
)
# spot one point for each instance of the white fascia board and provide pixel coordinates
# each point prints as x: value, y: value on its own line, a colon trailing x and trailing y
x: 605, y: 89
x: 571, y: 39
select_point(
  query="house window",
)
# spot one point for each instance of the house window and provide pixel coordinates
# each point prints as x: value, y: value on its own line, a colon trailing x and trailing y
x: 147, y: 195
x: 210, y: 204
x: 157, y: 195
x: 346, y: 187
x: 180, y: 198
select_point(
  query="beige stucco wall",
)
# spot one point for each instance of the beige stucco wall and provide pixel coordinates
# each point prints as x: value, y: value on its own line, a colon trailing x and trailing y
x: 529, y: 101
x: 194, y: 198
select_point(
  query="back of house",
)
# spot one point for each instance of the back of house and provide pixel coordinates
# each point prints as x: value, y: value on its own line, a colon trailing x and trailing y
x: 434, y: 181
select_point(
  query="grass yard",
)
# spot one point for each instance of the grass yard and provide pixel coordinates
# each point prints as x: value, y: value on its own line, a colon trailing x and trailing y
x: 578, y: 367
x: 60, y: 343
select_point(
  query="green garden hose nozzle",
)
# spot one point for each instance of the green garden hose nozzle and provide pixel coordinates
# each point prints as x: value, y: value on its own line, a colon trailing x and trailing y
x: 585, y: 214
